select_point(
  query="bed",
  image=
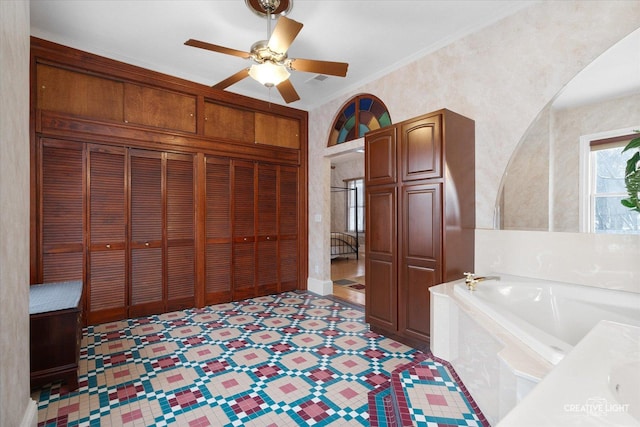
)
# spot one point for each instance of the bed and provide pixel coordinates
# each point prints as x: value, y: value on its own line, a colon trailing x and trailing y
x: 344, y: 244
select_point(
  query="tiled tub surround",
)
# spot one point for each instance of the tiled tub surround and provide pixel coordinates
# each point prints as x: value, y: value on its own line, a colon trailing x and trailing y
x: 290, y: 359
x: 498, y: 355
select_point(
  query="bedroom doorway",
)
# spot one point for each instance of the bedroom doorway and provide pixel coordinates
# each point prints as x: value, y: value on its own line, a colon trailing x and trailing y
x: 348, y: 227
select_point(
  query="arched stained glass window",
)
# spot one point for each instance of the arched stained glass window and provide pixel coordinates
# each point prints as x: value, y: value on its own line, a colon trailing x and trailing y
x: 359, y: 115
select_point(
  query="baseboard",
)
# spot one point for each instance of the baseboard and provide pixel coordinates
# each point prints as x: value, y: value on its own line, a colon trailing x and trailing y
x: 320, y: 287
x: 30, y: 417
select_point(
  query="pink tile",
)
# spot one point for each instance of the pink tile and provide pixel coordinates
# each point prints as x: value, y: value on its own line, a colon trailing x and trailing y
x: 200, y: 422
x: 131, y: 416
x: 174, y: 378
x: 288, y: 388
x: 349, y: 393
x: 122, y: 373
x: 436, y: 399
x: 230, y: 383
x: 66, y: 410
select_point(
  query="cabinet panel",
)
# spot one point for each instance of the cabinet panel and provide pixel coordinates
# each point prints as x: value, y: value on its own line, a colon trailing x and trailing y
x: 159, y: 108
x: 380, y: 157
x: 244, y: 270
x: 415, y: 303
x: 107, y: 292
x: 421, y: 221
x: 381, y: 295
x: 146, y: 232
x: 381, y: 220
x: 218, y: 231
x: 288, y: 228
x: 243, y: 199
x: 61, y: 211
x: 180, y: 231
x: 421, y: 147
x: 277, y: 130
x: 227, y: 122
x: 81, y: 94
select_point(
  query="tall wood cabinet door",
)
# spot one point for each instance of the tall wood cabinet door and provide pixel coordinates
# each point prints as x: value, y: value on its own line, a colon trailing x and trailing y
x: 380, y: 261
x: 107, y: 275
x: 380, y: 157
x: 421, y: 148
x: 288, y: 228
x: 218, y: 231
x: 267, y: 230
x: 145, y: 189
x: 180, y: 231
x: 420, y: 256
x: 61, y: 211
x: 243, y: 230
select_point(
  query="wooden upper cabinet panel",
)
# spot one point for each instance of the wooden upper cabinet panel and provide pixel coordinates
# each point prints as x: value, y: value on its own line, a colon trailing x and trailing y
x: 380, y: 152
x: 80, y: 94
x: 227, y: 122
x: 421, y: 148
x: 276, y: 130
x: 159, y: 108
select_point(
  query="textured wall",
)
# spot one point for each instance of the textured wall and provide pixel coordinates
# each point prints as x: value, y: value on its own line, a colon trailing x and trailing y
x: 14, y: 212
x: 501, y: 76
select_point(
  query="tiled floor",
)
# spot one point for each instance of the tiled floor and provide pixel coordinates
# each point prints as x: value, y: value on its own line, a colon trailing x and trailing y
x: 287, y: 360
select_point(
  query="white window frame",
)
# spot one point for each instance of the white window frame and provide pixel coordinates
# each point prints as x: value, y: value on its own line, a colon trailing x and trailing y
x: 585, y: 210
x: 361, y: 205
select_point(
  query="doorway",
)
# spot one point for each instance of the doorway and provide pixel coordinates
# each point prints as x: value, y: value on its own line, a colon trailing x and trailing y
x: 348, y: 227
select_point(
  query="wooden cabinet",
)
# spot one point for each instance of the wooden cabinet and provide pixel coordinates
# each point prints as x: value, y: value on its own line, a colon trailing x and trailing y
x: 55, y: 312
x: 120, y: 202
x: 61, y: 210
x: 420, y: 218
x: 275, y: 130
x: 226, y: 122
x: 81, y: 94
x: 159, y: 108
x: 107, y: 234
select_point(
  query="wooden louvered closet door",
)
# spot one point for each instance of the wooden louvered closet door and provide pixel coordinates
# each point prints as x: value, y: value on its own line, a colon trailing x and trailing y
x: 243, y: 230
x: 180, y: 229
x: 218, y: 231
x: 146, y: 233
x: 288, y: 228
x: 106, y: 275
x: 267, y: 227
x: 61, y: 211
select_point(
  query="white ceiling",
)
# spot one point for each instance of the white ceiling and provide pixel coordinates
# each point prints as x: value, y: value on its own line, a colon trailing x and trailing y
x: 374, y: 36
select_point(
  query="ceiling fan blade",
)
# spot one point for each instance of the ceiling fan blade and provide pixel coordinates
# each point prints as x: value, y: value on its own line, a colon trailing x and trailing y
x: 287, y: 91
x: 283, y: 34
x: 320, y: 67
x: 216, y: 48
x: 233, y: 79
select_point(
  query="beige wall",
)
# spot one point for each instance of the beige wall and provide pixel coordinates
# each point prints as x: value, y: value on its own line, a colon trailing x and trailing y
x: 501, y: 76
x: 15, y: 402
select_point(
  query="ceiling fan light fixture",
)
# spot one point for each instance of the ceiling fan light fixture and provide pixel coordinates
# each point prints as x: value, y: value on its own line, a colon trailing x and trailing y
x: 268, y: 73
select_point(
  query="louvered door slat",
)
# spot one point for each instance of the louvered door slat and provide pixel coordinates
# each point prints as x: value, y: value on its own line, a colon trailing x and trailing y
x: 267, y: 200
x: 146, y: 275
x: 62, y: 210
x: 267, y: 267
x: 288, y: 264
x: 243, y: 194
x: 288, y: 201
x: 218, y: 231
x: 107, y: 215
x: 243, y: 271
x: 146, y: 232
x: 180, y: 259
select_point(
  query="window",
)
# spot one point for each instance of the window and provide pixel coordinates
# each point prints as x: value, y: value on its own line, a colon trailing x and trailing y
x: 606, y: 188
x: 355, y: 204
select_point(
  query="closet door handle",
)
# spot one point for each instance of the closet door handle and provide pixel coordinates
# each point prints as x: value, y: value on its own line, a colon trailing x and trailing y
x: 146, y: 244
x: 108, y: 246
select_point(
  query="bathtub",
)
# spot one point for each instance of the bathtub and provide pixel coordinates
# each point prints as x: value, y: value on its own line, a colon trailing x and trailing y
x: 550, y: 317
x: 509, y: 334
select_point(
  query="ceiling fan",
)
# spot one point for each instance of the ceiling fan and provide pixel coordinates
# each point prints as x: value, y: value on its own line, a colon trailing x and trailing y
x: 271, y: 63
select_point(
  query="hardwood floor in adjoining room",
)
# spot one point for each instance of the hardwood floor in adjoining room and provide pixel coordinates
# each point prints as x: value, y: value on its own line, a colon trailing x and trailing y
x: 348, y: 268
